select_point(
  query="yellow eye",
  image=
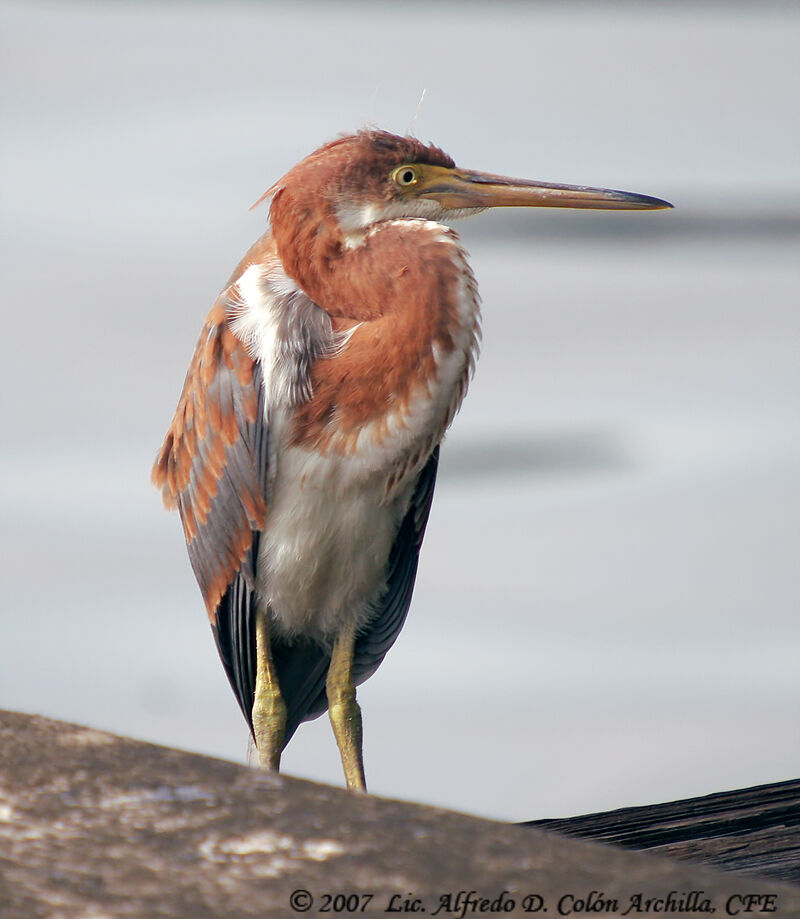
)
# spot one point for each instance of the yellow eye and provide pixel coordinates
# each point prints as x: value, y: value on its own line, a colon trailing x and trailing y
x: 405, y: 176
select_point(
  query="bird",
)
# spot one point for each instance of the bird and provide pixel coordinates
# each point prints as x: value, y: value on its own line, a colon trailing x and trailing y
x: 303, y: 453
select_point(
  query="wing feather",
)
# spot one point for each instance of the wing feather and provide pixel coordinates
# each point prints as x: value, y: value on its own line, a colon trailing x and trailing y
x: 212, y: 463
x: 213, y: 467
x: 391, y: 612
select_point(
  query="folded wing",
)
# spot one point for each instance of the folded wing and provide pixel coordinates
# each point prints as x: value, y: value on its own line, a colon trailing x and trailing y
x: 213, y: 466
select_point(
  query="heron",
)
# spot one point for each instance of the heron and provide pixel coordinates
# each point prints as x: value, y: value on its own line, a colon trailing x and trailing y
x: 303, y: 453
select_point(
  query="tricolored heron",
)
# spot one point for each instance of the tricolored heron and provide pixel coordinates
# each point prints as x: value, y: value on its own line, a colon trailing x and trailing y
x: 303, y: 453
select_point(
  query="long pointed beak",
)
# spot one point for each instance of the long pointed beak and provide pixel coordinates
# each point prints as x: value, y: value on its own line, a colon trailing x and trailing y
x: 460, y: 188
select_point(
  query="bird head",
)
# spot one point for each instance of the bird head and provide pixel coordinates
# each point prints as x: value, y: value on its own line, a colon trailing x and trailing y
x: 364, y: 178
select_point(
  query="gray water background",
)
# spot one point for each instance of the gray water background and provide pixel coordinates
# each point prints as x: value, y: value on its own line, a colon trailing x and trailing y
x: 607, y: 604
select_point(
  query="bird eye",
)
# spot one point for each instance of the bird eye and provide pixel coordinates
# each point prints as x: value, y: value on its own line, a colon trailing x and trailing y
x: 405, y: 176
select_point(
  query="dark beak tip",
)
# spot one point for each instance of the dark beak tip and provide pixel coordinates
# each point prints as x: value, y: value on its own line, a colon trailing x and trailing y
x: 644, y: 202
x: 659, y: 203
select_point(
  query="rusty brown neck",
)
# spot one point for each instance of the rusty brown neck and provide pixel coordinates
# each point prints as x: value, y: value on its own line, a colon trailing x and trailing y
x: 312, y: 250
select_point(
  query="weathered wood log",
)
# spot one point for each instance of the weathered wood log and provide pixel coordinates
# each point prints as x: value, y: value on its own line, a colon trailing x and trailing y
x: 94, y: 825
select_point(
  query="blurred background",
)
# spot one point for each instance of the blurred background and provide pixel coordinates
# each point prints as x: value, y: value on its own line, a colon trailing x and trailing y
x: 607, y: 605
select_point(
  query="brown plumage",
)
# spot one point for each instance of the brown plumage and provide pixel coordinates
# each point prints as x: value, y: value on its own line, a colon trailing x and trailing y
x: 418, y: 318
x: 303, y: 453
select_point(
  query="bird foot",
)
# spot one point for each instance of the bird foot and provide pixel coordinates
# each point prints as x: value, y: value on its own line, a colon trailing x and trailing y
x: 345, y: 715
x: 269, y: 725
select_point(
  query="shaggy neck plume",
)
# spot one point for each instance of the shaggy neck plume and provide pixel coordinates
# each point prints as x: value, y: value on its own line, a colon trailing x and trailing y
x: 345, y: 282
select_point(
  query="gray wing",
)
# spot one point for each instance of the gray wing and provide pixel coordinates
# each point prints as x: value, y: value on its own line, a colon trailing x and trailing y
x: 213, y: 468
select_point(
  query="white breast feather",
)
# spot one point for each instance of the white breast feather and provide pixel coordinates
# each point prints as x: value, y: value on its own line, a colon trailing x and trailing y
x: 258, y: 296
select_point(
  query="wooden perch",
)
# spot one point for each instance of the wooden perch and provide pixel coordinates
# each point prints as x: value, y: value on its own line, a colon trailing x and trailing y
x: 97, y: 825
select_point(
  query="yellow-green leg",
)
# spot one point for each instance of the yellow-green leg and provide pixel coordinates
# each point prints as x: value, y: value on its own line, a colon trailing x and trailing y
x: 269, y: 709
x: 344, y: 711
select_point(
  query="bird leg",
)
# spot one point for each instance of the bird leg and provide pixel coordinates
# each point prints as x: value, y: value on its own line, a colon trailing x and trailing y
x: 344, y: 711
x: 269, y: 709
